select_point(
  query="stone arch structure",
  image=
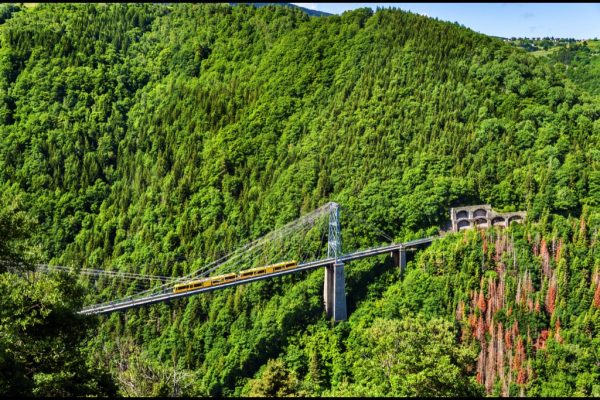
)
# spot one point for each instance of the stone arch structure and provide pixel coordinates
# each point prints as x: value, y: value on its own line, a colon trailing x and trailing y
x: 482, y: 216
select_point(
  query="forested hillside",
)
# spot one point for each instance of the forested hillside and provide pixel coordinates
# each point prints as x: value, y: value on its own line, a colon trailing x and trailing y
x: 579, y: 58
x: 150, y: 138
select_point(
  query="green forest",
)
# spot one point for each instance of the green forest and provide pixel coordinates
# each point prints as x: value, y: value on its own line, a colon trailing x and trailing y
x: 579, y: 58
x: 149, y: 138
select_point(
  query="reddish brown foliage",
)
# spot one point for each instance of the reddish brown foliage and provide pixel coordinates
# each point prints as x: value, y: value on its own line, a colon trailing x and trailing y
x: 597, y: 297
x: 507, y: 340
x: 515, y: 330
x: 522, y: 376
x: 540, y: 343
x: 480, y: 330
x: 519, y: 354
x: 551, y: 296
x: 557, y: 336
x: 481, y: 301
x: 472, y: 320
x: 558, y: 250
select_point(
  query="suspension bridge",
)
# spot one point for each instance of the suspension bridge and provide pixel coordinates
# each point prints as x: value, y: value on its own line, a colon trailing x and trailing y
x: 312, y: 241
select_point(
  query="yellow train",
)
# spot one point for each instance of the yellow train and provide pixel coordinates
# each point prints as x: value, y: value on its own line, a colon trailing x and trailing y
x: 221, y: 279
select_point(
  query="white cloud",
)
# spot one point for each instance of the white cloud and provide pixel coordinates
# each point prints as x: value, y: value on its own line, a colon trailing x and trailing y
x: 310, y: 6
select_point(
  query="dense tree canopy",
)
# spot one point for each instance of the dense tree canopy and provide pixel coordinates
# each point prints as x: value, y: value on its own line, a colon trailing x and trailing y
x: 150, y: 138
x: 42, y: 338
x: 579, y: 58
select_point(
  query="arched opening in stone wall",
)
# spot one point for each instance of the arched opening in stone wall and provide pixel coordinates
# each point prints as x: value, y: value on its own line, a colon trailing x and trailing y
x: 462, y: 214
x: 480, y: 213
x: 515, y: 218
x: 464, y: 224
x: 499, y: 221
x: 481, y: 223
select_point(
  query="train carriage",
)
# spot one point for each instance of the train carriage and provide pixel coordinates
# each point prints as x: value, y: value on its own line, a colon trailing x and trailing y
x: 193, y: 285
x: 221, y: 279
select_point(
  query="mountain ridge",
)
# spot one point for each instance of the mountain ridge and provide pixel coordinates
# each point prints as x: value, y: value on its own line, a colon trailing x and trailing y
x: 313, y: 13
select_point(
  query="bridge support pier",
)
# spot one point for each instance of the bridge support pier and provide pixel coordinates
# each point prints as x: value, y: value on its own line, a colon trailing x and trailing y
x: 335, y: 292
x: 399, y: 257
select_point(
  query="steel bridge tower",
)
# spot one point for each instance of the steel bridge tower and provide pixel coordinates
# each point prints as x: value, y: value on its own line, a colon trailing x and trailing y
x: 335, y: 285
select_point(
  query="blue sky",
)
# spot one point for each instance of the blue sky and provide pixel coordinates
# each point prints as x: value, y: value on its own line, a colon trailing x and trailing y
x: 566, y: 20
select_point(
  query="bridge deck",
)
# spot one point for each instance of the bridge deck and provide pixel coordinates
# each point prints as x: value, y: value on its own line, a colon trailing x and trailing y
x: 156, y: 298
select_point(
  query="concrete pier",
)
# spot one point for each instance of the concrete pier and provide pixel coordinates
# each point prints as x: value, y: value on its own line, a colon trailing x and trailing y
x: 399, y: 257
x: 335, y: 292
